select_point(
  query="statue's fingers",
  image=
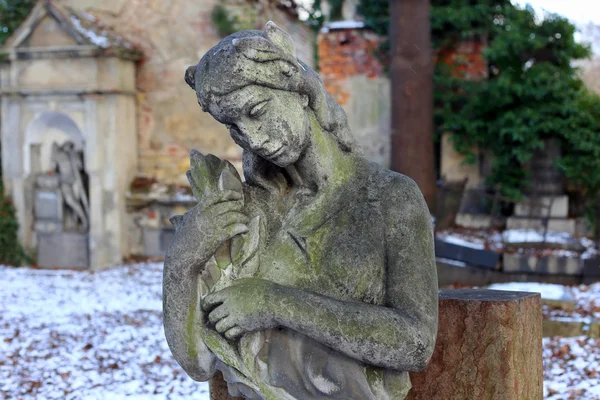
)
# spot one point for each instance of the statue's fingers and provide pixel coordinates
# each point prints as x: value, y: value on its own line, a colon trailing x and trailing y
x: 233, y: 217
x: 225, y: 324
x: 236, y: 229
x: 222, y: 196
x: 218, y: 314
x: 213, y: 300
x: 227, y: 206
x: 234, y: 333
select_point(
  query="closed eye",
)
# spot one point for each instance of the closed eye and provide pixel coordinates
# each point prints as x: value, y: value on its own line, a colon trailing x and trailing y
x: 258, y: 109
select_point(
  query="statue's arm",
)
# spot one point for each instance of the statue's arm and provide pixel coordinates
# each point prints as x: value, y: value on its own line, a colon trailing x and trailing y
x: 400, y: 335
x: 199, y: 233
x: 181, y: 302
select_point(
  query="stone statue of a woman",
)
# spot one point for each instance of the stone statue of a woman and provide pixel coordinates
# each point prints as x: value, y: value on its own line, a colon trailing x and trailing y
x: 330, y: 291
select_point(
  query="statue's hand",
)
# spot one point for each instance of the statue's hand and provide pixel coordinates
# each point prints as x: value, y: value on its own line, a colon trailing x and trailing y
x: 217, y: 218
x: 246, y: 306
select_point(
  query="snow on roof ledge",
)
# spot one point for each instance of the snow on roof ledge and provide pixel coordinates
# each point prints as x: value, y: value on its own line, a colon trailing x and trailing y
x: 336, y: 25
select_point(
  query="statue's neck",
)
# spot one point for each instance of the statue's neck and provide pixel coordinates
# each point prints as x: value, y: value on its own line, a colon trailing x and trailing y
x: 323, y: 165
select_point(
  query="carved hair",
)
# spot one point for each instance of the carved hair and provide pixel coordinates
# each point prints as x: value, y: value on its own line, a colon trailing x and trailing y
x: 266, y: 58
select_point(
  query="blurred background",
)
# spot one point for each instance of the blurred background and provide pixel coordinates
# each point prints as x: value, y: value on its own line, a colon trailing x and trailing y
x: 492, y: 106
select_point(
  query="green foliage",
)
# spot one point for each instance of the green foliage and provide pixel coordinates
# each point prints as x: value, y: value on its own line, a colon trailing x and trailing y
x: 11, y: 252
x: 12, y: 13
x: 336, y: 9
x: 533, y: 91
x: 224, y: 22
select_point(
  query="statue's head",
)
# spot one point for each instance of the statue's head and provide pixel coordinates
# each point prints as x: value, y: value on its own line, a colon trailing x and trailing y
x: 253, y: 83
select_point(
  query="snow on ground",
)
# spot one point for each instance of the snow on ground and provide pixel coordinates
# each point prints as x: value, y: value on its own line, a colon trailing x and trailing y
x: 571, y: 368
x: 548, y: 291
x: 85, y: 335
x: 526, y: 241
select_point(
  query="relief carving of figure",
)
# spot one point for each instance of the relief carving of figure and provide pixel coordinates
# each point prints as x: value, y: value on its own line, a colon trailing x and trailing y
x: 313, y: 279
x: 67, y: 161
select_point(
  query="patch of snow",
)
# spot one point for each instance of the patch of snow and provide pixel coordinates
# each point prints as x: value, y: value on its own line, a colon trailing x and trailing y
x: 87, y: 335
x: 548, y: 291
x: 448, y: 261
x: 571, y: 368
x: 100, y: 41
x: 533, y: 236
x: 349, y: 24
x: 472, y: 243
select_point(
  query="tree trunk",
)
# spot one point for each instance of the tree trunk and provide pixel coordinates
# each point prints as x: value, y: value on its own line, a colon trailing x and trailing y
x: 412, y: 94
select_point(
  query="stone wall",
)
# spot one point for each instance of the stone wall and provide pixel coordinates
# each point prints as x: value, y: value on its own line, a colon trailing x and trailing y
x: 355, y: 77
x: 174, y: 35
x: 466, y: 61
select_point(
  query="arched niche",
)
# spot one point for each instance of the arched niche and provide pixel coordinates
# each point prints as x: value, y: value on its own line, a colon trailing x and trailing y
x: 45, y: 129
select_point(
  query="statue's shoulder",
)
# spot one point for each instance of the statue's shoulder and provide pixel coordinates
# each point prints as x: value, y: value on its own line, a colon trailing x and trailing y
x: 397, y: 192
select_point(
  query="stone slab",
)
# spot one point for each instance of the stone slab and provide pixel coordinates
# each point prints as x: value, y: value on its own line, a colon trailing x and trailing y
x: 48, y: 205
x: 476, y: 257
x: 570, y: 328
x: 591, y: 270
x: 64, y: 250
x: 156, y: 241
x: 546, y: 265
x: 559, y: 209
x: 47, y: 227
x: 475, y: 221
x: 489, y: 347
x: 554, y: 224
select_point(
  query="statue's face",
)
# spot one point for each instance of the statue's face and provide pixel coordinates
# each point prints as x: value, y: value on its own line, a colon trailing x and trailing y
x: 271, y: 123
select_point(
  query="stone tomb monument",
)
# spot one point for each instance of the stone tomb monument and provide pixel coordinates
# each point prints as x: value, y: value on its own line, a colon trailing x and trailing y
x: 64, y: 78
x: 61, y: 210
x: 316, y: 277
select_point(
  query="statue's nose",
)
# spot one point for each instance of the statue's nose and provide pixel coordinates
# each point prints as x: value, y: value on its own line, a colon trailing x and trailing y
x: 256, y: 140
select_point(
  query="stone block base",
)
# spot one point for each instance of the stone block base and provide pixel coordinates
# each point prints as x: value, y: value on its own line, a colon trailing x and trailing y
x: 63, y: 250
x: 489, y: 347
x: 554, y: 265
x: 554, y: 224
x: 475, y: 221
x: 559, y: 209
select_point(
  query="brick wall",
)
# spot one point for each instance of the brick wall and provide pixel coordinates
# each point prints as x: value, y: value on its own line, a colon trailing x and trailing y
x: 345, y: 53
x: 354, y: 75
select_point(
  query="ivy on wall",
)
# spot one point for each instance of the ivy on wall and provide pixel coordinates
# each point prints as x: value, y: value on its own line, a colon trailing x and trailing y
x: 12, y: 13
x: 533, y: 91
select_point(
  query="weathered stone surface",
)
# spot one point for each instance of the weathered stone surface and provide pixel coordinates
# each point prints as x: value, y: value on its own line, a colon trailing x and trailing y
x: 489, y: 346
x: 315, y: 278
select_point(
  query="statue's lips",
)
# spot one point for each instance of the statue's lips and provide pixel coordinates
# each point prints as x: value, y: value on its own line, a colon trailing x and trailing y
x: 274, y: 154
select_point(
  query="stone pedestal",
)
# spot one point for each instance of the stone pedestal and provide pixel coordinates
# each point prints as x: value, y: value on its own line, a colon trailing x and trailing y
x: 489, y: 346
x: 63, y: 249
x: 218, y: 389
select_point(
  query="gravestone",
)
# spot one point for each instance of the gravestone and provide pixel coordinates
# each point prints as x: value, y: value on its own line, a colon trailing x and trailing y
x: 313, y: 279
